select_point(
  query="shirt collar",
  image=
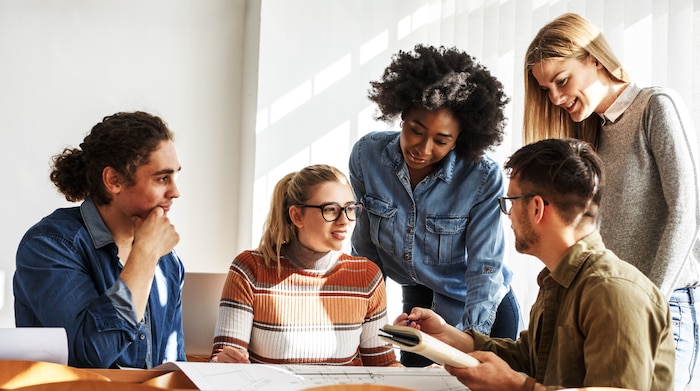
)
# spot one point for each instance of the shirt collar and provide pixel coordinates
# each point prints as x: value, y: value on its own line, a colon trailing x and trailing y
x: 95, y: 225
x: 392, y: 157
x: 574, y: 259
x: 621, y: 104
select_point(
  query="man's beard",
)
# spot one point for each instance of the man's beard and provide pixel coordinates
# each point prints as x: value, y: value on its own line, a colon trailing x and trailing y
x: 527, y: 237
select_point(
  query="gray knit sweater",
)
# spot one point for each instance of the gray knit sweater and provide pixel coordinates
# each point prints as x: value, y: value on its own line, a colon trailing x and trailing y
x: 650, y: 210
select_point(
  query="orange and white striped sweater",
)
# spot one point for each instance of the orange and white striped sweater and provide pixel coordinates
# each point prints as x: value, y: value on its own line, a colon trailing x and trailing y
x: 296, y: 316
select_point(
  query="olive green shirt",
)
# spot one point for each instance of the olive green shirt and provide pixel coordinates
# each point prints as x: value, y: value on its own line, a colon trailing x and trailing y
x: 597, y: 321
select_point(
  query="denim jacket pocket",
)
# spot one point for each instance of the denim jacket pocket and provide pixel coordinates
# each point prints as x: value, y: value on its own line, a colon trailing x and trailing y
x: 381, y: 222
x: 444, y: 239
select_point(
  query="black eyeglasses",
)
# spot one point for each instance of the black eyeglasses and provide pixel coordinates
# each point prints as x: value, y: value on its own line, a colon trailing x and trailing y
x: 331, y: 210
x: 506, y: 203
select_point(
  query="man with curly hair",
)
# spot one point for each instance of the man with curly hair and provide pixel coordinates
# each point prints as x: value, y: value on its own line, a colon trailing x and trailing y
x: 431, y: 193
x: 106, y: 271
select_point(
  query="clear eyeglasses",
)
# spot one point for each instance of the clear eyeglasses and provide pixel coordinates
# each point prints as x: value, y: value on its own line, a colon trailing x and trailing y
x: 506, y: 203
x: 331, y: 210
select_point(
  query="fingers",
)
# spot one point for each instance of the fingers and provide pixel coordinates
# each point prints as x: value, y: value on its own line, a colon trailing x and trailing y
x: 420, y: 316
x: 155, y: 232
x: 401, y: 320
x: 233, y: 355
x: 483, y: 356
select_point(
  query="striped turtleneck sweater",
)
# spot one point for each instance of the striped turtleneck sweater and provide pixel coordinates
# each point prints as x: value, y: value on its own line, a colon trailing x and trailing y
x: 292, y: 315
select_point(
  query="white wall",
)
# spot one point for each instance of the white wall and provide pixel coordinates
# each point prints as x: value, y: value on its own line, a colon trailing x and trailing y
x: 65, y: 64
x: 257, y: 88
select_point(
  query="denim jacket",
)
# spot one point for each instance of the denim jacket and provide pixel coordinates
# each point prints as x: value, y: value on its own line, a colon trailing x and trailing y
x: 67, y: 276
x: 445, y: 234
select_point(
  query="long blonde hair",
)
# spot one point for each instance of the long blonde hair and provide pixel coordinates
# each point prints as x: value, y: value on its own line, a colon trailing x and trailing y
x: 295, y: 188
x: 570, y: 36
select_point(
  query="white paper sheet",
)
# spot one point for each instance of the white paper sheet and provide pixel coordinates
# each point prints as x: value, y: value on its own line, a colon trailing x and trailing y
x: 262, y: 377
x: 34, y: 344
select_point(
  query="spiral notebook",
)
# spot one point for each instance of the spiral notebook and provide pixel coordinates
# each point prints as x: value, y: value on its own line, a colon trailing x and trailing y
x: 415, y: 341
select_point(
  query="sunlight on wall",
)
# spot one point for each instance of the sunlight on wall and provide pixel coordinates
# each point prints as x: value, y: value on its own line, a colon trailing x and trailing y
x: 290, y: 101
x: 261, y: 121
x: 537, y: 4
x: 265, y: 185
x: 637, y: 50
x: 374, y: 46
x: 365, y: 123
x: 419, y: 18
x: 260, y: 208
x: 329, y: 76
x: 332, y: 147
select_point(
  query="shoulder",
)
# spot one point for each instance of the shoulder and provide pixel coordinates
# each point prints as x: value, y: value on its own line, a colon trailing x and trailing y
x: 659, y: 96
x: 657, y: 90
x: 485, y: 172
x: 359, y: 273
x: 491, y: 168
x: 486, y: 166
x: 249, y: 266
x: 250, y: 259
x: 383, y: 135
x: 375, y: 140
x: 64, y: 223
x: 612, y: 279
x: 359, y: 263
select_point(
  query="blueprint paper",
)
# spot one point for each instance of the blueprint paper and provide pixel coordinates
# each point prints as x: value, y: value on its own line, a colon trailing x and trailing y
x: 264, y: 377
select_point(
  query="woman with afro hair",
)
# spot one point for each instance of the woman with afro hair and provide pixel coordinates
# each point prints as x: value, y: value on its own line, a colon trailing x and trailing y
x: 432, y: 220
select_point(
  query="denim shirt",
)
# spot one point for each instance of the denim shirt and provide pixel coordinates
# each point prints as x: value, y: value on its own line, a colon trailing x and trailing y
x: 67, y: 275
x: 445, y: 234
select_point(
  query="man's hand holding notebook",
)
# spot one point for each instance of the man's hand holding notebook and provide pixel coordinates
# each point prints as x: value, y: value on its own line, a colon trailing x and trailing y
x: 416, y: 341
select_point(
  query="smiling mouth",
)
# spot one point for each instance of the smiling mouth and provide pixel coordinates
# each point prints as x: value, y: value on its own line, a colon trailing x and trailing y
x: 570, y: 105
x: 416, y: 158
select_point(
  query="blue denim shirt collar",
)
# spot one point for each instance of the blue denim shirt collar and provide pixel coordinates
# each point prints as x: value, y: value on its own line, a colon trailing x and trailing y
x: 95, y: 225
x: 393, y: 157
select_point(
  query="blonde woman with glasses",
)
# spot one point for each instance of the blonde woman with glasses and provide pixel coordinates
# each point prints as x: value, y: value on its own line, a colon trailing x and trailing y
x: 297, y: 299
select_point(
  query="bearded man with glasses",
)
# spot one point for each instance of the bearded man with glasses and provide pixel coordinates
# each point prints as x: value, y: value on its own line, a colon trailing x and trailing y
x: 597, y: 321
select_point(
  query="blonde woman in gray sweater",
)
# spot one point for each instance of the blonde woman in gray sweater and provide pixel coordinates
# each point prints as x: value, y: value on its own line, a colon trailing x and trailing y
x: 650, y: 210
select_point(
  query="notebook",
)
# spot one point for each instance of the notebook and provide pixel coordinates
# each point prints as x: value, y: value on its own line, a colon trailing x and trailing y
x: 416, y: 341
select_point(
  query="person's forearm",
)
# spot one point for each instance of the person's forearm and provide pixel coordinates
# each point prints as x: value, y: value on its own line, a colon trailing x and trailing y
x: 138, y: 274
x: 458, y: 338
